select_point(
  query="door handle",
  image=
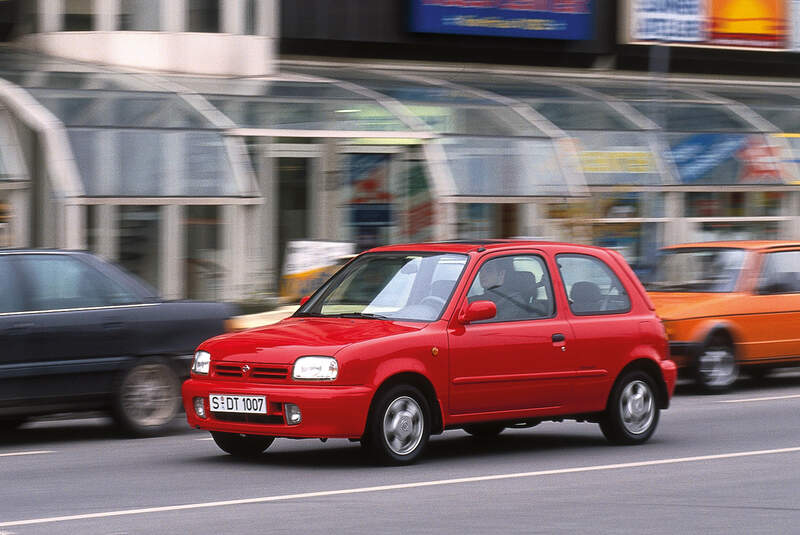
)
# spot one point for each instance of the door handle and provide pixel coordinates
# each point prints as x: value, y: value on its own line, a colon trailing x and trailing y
x: 558, y: 337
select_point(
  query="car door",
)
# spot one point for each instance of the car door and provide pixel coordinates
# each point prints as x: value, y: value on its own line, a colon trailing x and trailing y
x: 605, y: 333
x: 518, y: 360
x: 771, y: 332
x: 79, y: 333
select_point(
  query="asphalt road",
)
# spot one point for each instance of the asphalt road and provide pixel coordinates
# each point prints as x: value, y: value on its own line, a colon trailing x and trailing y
x: 717, y: 464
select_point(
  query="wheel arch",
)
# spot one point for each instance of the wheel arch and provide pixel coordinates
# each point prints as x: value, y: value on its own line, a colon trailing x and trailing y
x: 424, y: 385
x: 651, y: 368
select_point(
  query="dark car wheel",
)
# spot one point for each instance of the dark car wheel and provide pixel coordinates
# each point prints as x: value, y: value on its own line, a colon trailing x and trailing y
x: 147, y: 398
x: 716, y: 368
x: 632, y: 413
x: 487, y: 430
x: 242, y: 445
x: 12, y: 422
x: 399, y: 426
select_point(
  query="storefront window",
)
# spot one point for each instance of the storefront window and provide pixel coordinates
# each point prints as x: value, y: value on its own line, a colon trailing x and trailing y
x: 141, y: 15
x: 139, y: 250
x: 203, y: 16
x: 204, y: 262
x: 476, y: 221
x: 734, y: 204
x: 5, y: 224
x: 78, y: 15
x: 736, y: 230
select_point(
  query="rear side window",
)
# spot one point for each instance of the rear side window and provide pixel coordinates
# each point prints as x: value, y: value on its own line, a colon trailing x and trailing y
x: 61, y: 282
x: 10, y: 295
x: 592, y: 287
x: 780, y: 273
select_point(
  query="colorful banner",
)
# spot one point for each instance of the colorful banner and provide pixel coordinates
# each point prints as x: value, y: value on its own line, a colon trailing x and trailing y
x: 544, y: 19
x: 728, y: 159
x: 745, y: 23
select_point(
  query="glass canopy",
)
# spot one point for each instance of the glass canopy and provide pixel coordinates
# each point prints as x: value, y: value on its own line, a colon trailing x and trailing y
x: 491, y: 135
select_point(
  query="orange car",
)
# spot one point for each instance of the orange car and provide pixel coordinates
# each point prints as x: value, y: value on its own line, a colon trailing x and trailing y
x: 729, y: 306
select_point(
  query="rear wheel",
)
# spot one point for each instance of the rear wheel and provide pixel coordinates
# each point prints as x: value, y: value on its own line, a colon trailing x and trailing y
x: 242, y: 445
x: 147, y: 398
x: 717, y: 369
x: 399, y: 426
x: 632, y: 413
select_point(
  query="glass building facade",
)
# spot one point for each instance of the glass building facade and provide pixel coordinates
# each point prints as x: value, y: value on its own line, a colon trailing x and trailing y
x: 197, y: 183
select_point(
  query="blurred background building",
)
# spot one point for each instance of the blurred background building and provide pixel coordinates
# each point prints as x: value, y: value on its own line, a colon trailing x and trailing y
x: 190, y: 140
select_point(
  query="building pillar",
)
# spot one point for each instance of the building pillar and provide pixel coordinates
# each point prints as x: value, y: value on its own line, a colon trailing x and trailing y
x: 73, y: 223
x: 173, y: 15
x: 172, y: 244
x: 106, y: 14
x: 676, y: 230
x: 51, y: 15
x: 107, y: 231
x: 232, y: 16
x: 234, y: 235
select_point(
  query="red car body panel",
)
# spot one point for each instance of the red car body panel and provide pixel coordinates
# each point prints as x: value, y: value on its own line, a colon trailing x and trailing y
x: 516, y: 370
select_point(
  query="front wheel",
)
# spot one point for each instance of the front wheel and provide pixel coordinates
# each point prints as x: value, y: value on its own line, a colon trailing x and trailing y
x: 242, y: 445
x: 632, y: 413
x: 399, y: 426
x: 716, y: 369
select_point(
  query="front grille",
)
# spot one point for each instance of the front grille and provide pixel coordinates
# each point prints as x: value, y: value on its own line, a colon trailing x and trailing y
x: 255, y: 372
x: 228, y: 370
x: 275, y: 419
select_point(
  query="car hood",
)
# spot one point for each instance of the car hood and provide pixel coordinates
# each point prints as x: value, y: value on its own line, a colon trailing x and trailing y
x: 283, y: 342
x: 686, y: 305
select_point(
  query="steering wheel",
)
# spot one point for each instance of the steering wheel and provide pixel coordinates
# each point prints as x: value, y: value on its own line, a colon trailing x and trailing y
x: 433, y: 301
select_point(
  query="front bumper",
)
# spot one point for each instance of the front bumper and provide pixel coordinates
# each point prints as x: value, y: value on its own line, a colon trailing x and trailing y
x: 328, y: 411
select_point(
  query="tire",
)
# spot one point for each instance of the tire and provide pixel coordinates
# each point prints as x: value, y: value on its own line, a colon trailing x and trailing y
x: 632, y: 412
x: 12, y: 422
x: 485, y: 430
x: 147, y: 398
x: 716, y: 369
x: 246, y: 446
x: 399, y: 426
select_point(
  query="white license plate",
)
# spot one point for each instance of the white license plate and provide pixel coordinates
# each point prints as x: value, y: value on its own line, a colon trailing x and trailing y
x: 232, y: 403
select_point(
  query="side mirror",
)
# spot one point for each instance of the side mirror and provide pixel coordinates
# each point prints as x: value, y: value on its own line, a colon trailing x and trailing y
x: 304, y: 299
x: 477, y: 311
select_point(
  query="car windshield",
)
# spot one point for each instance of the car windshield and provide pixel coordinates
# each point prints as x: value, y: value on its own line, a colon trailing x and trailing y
x: 397, y: 286
x: 697, y: 270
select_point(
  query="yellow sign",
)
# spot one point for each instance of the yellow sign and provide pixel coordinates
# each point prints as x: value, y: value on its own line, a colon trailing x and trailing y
x: 616, y: 161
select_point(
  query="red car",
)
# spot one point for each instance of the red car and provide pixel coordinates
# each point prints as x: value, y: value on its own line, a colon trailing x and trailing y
x: 406, y: 341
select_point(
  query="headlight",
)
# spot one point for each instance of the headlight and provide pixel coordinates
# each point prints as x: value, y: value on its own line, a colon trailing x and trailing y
x: 315, y: 369
x: 202, y: 361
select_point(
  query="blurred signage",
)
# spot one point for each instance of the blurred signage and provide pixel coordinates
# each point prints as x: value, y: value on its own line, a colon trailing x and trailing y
x: 310, y: 263
x: 370, y: 201
x: 545, y: 19
x: 726, y: 159
x: 750, y: 23
x: 617, y: 161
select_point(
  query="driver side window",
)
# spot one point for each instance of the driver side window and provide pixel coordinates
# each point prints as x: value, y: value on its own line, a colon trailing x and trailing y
x: 518, y: 285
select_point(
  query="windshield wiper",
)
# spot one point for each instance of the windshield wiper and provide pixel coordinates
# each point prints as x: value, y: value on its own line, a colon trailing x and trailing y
x: 358, y: 315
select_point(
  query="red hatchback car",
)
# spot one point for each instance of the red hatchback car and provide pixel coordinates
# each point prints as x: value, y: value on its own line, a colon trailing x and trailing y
x: 406, y: 341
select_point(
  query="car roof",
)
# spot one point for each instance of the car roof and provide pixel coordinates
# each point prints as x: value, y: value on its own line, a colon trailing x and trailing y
x: 479, y: 246
x: 40, y: 251
x: 737, y: 244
